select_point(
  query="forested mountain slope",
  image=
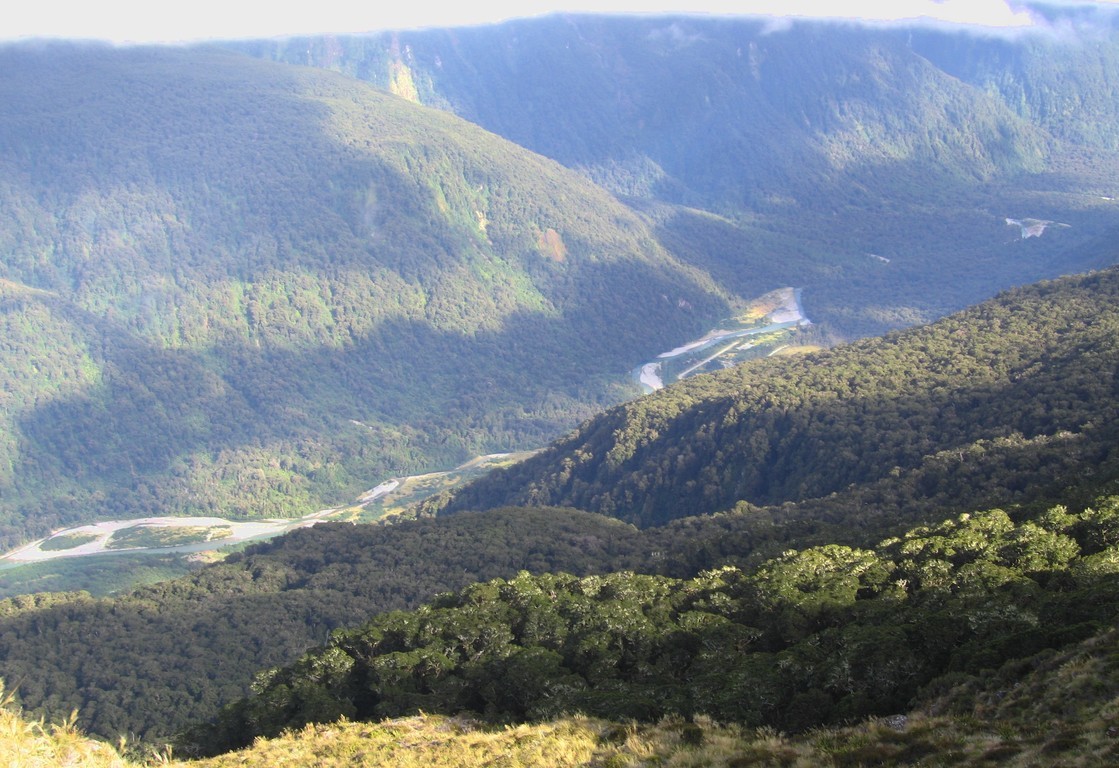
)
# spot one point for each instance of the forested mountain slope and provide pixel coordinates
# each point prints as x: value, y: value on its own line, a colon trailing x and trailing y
x: 362, y: 288
x: 988, y: 720
x: 1027, y: 379
x: 875, y: 167
x: 824, y: 634
x: 235, y: 287
x: 152, y: 662
x: 1010, y: 404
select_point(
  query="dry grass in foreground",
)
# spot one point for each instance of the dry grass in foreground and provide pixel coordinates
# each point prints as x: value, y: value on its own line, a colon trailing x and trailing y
x: 34, y: 744
x: 443, y: 742
x: 436, y: 741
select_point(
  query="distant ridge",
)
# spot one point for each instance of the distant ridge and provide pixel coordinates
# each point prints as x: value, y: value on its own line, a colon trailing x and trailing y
x: 794, y: 155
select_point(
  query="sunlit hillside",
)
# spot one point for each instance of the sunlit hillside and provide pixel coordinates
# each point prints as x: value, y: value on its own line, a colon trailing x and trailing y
x: 243, y: 289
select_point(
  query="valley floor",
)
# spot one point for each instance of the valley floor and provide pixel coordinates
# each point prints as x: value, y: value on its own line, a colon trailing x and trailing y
x: 97, y: 538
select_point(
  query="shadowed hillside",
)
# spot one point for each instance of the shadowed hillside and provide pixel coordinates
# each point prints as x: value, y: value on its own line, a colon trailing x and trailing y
x: 956, y: 409
x: 874, y: 167
x: 1009, y: 405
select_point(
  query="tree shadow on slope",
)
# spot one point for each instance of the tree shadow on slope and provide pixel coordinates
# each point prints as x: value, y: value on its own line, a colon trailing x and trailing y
x: 866, y: 270
x: 247, y: 186
x: 247, y: 431
x: 807, y: 428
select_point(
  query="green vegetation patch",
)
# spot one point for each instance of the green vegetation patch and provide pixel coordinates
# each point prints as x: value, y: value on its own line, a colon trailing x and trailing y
x: 355, y: 234
x: 67, y: 541
x: 1026, y: 380
x: 410, y: 491
x: 167, y: 536
x: 813, y: 637
x: 100, y: 575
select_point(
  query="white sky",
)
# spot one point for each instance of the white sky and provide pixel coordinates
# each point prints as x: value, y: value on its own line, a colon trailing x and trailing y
x: 187, y: 20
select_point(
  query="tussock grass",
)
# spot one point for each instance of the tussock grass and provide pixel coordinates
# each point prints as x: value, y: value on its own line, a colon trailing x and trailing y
x: 438, y: 741
x: 423, y: 741
x: 35, y: 744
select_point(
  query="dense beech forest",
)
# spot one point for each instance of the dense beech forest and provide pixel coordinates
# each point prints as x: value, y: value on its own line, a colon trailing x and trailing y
x: 1031, y: 375
x: 152, y: 662
x: 984, y: 720
x: 816, y: 636
x: 162, y: 657
x: 233, y: 284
